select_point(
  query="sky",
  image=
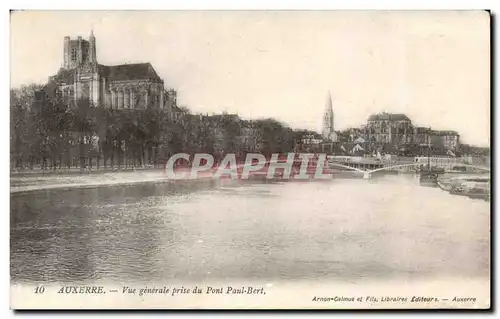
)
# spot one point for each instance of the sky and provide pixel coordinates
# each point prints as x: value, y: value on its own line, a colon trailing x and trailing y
x: 433, y: 66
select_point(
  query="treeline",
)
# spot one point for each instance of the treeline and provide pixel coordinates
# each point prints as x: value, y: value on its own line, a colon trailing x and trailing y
x: 57, y: 133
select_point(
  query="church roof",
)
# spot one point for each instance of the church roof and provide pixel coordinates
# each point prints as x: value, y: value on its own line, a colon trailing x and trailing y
x: 388, y: 117
x: 444, y: 133
x: 124, y: 72
x: 420, y: 129
x: 176, y: 109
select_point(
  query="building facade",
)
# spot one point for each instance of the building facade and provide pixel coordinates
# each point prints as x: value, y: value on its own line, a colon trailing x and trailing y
x: 448, y: 140
x: 126, y: 86
x: 421, y: 135
x: 387, y: 128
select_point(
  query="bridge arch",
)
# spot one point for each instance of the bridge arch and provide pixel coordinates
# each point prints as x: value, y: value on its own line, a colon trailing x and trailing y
x: 345, y: 166
x: 327, y: 165
x: 395, y: 166
x: 419, y: 164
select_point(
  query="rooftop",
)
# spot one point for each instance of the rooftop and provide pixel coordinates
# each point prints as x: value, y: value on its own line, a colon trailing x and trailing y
x: 124, y: 72
x: 388, y: 117
x: 445, y: 133
x: 421, y: 129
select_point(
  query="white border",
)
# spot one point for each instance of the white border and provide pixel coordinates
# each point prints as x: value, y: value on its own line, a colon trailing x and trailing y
x: 255, y: 5
x: 187, y: 5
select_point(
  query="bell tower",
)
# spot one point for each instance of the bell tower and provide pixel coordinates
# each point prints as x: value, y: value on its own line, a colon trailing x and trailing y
x: 79, y: 52
x: 328, y: 123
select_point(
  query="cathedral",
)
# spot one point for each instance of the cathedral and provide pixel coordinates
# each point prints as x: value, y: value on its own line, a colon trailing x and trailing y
x: 126, y: 86
x: 328, y: 124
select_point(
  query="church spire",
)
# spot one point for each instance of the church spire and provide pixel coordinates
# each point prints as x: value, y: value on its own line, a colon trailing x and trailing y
x: 328, y: 106
x: 328, y: 124
x: 92, y: 47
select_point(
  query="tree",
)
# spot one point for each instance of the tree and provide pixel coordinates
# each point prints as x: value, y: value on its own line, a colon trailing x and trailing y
x: 55, y: 130
x: 23, y: 135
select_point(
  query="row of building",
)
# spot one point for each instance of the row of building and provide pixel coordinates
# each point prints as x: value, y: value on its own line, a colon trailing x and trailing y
x: 391, y: 129
x: 138, y: 86
x: 397, y: 129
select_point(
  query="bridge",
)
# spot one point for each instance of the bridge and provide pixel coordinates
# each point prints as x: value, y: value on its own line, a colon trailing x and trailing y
x: 367, y: 173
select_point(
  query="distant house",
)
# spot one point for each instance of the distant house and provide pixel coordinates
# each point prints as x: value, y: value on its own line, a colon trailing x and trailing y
x: 359, y: 140
x: 311, y: 140
x: 176, y: 113
x: 421, y: 135
x: 357, y: 149
x: 448, y: 140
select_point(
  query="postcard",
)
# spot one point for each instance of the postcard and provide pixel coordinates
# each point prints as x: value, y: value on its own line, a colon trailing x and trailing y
x: 250, y: 160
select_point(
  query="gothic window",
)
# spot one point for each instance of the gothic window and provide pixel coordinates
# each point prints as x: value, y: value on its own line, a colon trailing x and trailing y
x: 86, y: 89
x: 73, y: 54
x: 133, y: 102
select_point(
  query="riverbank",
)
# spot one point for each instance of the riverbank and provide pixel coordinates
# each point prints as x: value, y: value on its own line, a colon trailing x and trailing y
x: 34, y: 181
x: 80, y: 171
x: 473, y: 186
x: 448, y: 181
x: 67, y: 180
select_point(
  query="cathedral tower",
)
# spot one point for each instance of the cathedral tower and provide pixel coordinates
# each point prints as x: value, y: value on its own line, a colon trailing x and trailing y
x: 328, y: 124
x: 78, y: 52
x: 125, y: 86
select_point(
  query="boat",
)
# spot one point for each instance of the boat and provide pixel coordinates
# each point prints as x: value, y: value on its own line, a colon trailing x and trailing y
x: 429, y: 179
x: 479, y: 193
x: 446, y: 186
x: 430, y: 176
x: 471, y: 191
x: 457, y: 169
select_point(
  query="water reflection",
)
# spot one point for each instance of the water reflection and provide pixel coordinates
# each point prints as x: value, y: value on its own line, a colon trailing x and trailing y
x: 346, y: 229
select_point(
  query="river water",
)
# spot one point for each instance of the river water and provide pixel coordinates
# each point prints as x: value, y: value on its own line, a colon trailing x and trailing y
x: 343, y: 230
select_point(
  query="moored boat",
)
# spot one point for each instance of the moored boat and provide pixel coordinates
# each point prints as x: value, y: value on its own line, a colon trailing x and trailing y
x: 446, y: 186
x: 457, y: 169
x: 429, y: 175
x: 470, y: 190
x: 429, y: 179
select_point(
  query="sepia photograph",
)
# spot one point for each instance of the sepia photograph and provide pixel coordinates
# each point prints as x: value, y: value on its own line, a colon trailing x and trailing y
x: 258, y: 159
